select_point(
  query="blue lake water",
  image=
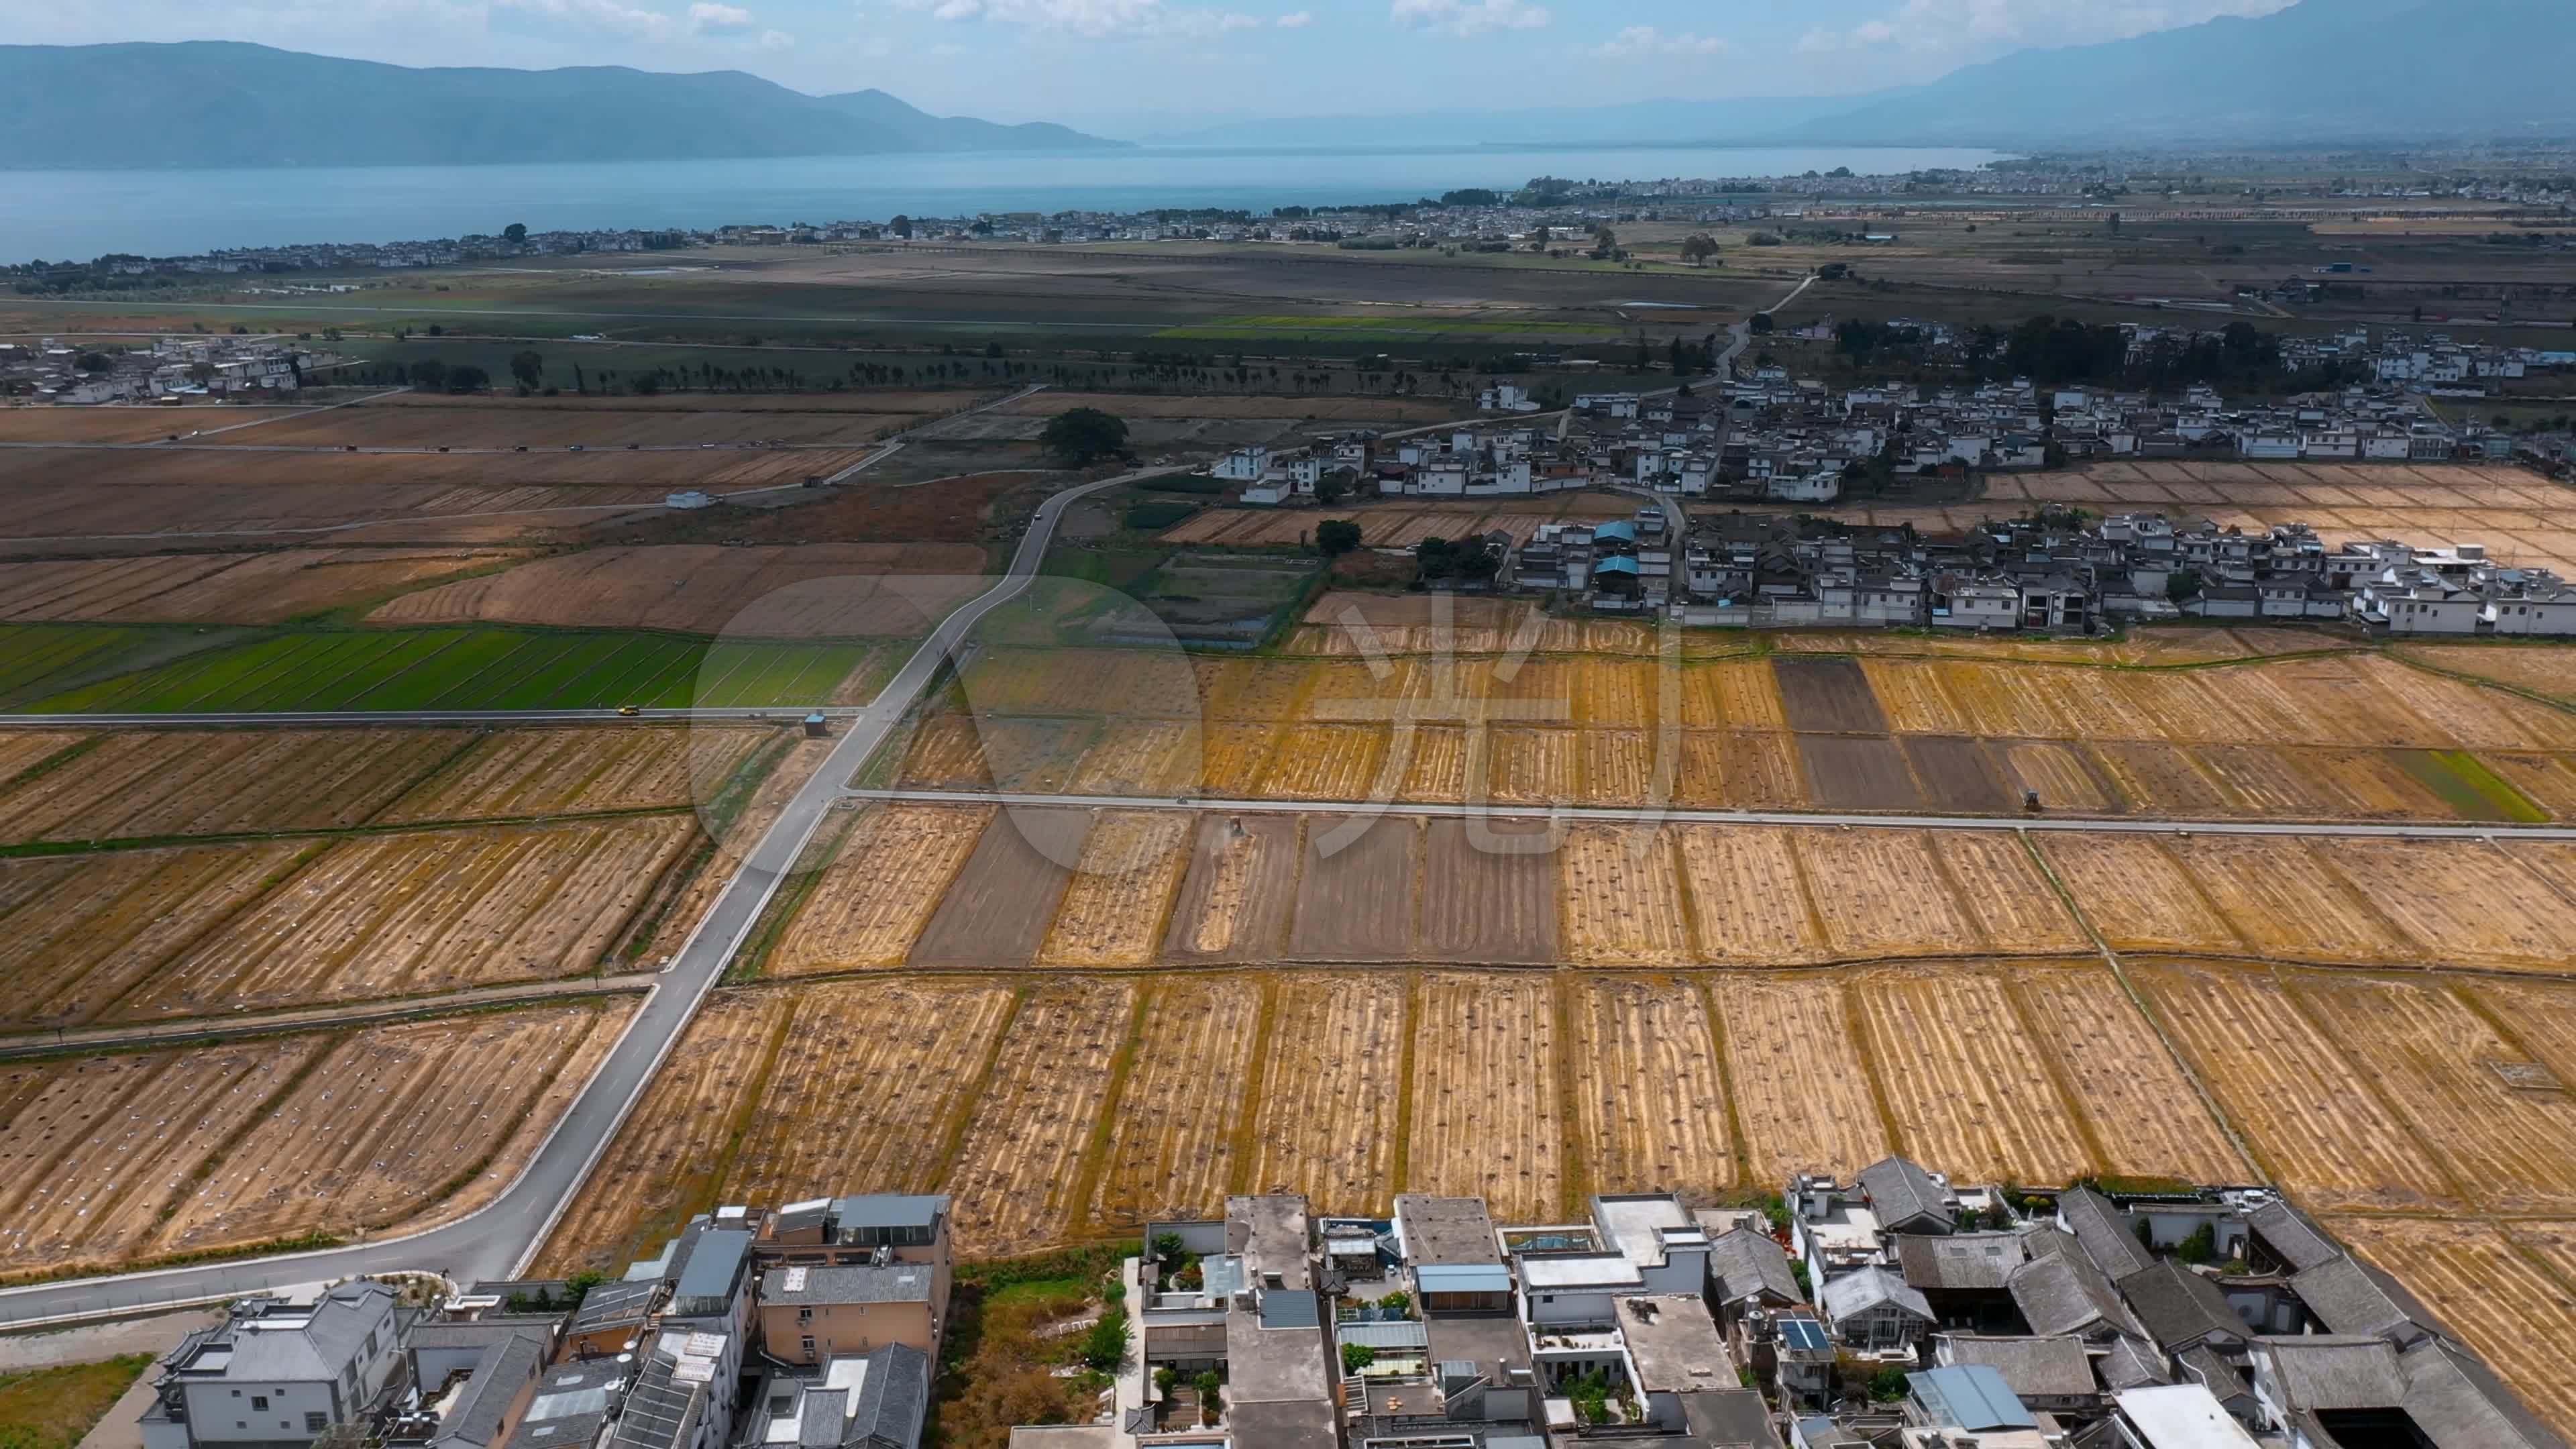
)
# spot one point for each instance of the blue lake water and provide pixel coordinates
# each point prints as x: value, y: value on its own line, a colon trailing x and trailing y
x: 82, y: 214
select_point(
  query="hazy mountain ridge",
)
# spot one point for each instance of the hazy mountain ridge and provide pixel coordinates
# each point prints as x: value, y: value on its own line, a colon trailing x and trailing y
x: 220, y: 103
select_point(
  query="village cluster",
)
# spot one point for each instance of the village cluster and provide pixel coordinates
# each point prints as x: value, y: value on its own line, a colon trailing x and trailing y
x: 1890, y: 1311
x: 174, y: 369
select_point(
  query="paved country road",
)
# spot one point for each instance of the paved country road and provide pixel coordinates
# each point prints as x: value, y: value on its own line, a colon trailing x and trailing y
x: 501, y: 1237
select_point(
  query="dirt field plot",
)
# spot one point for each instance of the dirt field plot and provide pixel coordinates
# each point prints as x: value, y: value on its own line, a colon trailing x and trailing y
x: 2442, y: 1065
x: 2548, y: 669
x: 1533, y: 766
x: 1332, y: 1090
x: 2462, y: 902
x: 1846, y: 772
x: 1116, y: 907
x: 1239, y: 890
x: 2007, y: 895
x: 2311, y: 1119
x: 1488, y: 893
x: 1356, y: 890
x: 93, y: 1148
x: 520, y: 773
x: 152, y: 784
x: 1486, y: 1105
x: 123, y: 424
x: 1016, y: 1183
x: 1749, y: 904
x: 2497, y: 1299
x: 1741, y: 771
x: 398, y: 1125
x: 997, y: 908
x: 1742, y: 695
x: 1882, y: 893
x: 1956, y: 1066
x: 2282, y: 899
x: 24, y: 750
x: 2059, y: 772
x: 2144, y: 1115
x: 1325, y: 762
x: 808, y: 591
x: 1958, y: 776
x: 1622, y: 903
x: 2136, y: 894
x: 434, y: 911
x: 1142, y: 758
x: 1828, y: 696
x: 873, y: 900
x: 871, y: 1081
x: 83, y: 932
x: 668, y: 1161
x: 1172, y: 1139
x: 1911, y: 694
x: 1649, y: 1089
x: 225, y: 588
x: 1793, y: 1059
x: 402, y: 422
x: 2160, y: 779
x: 2548, y: 781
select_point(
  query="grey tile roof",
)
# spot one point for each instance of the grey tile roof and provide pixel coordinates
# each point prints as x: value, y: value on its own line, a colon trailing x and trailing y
x: 2349, y: 1296
x: 2180, y: 1308
x: 1899, y: 1190
x: 1746, y: 1264
x: 2291, y: 1235
x: 505, y: 1368
x: 894, y: 1400
x: 2460, y: 1404
x: 2201, y: 1364
x: 2131, y: 1364
x: 713, y: 1256
x: 849, y: 1283
x: 1965, y: 1262
x: 2096, y: 1223
x: 2322, y: 1371
x: 2035, y: 1368
x: 2067, y: 1294
x: 1860, y: 1291
x: 890, y: 1210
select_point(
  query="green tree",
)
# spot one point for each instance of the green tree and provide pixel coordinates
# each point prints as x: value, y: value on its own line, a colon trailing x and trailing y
x: 1761, y: 325
x: 2182, y: 586
x: 1357, y: 1356
x: 1334, y: 486
x: 1887, y: 1386
x: 94, y: 363
x: 1698, y: 247
x: 1080, y: 437
x: 528, y: 368
x: 1337, y: 536
x: 901, y: 226
x: 429, y: 374
x: 1104, y: 1346
x: 2200, y: 1247
x: 201, y: 373
x: 466, y: 377
x: 516, y: 233
x: 1397, y: 1302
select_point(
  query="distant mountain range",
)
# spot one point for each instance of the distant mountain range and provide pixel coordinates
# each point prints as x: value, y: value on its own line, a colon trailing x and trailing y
x: 217, y: 103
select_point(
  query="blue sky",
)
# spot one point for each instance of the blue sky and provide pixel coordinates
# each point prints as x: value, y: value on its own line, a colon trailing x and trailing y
x: 1130, y: 66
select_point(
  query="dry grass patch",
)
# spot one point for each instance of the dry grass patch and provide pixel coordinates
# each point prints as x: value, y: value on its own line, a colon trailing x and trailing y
x: 1649, y: 1089
x: 881, y: 887
x: 1882, y: 893
x: 1485, y: 1106
x: 1964, y: 1080
x: 1794, y: 1061
x: 1172, y: 1137
x: 1016, y: 1180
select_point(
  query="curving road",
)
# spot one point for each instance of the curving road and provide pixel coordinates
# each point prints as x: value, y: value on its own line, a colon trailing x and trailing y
x: 501, y: 1237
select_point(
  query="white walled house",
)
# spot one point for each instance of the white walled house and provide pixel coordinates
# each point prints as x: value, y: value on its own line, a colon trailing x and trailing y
x: 1243, y: 465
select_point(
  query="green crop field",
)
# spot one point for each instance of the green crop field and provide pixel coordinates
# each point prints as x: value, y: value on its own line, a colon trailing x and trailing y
x: 1374, y: 329
x: 477, y: 668
x: 41, y: 659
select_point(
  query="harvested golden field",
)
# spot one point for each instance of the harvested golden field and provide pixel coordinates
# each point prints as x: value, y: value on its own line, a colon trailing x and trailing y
x: 1882, y: 893
x: 1618, y: 767
x: 668, y: 1161
x: 1736, y: 694
x: 1622, y: 898
x: 1802, y: 1090
x: 1649, y: 1089
x: 2507, y: 1307
x: 2160, y: 779
x: 153, y: 783
x: 1016, y: 1180
x: 24, y: 750
x: 871, y: 1083
x: 1619, y: 694
x: 1911, y: 693
x: 2280, y: 896
x: 1963, y: 1078
x: 797, y: 591
x: 1235, y: 758
x: 92, y: 1149
x: 1114, y: 911
x: 2549, y: 781
x: 520, y: 773
x: 2000, y: 699
x: 84, y: 933
x: 1141, y: 757
x: 2443, y: 1066
x: 2539, y: 1014
x: 2145, y: 1117
x: 398, y: 1126
x: 2136, y: 894
x: 2059, y: 772
x: 2268, y: 783
x: 395, y: 915
x: 1533, y: 766
x: 1748, y: 896
x: 881, y: 887
x: 1333, y: 1090
x: 1325, y: 762
x: 946, y: 752
x: 2548, y: 669
x: 1487, y: 1116
x: 2006, y: 893
x: 1740, y: 770
x: 2471, y: 716
x: 2310, y: 1118
x: 225, y: 588
x: 2464, y: 903
x: 1172, y: 1139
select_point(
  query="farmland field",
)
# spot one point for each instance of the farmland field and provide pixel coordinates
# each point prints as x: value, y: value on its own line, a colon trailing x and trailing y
x: 2487, y: 1289
x: 1882, y: 893
x: 225, y: 588
x: 1114, y: 909
x: 1622, y: 898
x: 2120, y: 1078
x: 810, y: 591
x: 203, y: 782
x: 1015, y: 1183
x: 1172, y: 1142
x: 1487, y: 1117
x: 1801, y: 1086
x: 2136, y: 894
x: 878, y: 892
x: 1748, y: 896
x: 1333, y: 1090
x: 1955, y: 1063
x: 1649, y: 1088
x: 86, y: 933
x: 2281, y: 897
x: 2464, y: 903
x: 519, y: 773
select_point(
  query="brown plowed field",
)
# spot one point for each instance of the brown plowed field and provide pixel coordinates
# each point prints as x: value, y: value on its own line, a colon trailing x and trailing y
x: 1332, y: 1090
x: 518, y: 773
x: 2160, y: 779
x: 1962, y: 1078
x: 2549, y: 781
x: 807, y: 591
x: 92, y: 1149
x: 871, y: 1080
x: 399, y: 1126
x: 1487, y: 1119
x: 1016, y: 1184
x: 193, y: 782
x: 1239, y: 890
x: 996, y: 910
x: 1882, y: 893
x: 2439, y: 1063
x: 2282, y: 899
x: 420, y: 420
x: 1849, y: 773
x: 2309, y: 1116
x: 667, y: 1162
x: 1649, y: 1090
x: 92, y: 929
x: 1748, y: 896
x: 2123, y: 1083
x: 1141, y: 758
x: 434, y: 911
x: 1356, y: 892
x: 1741, y: 771
x: 1172, y: 1139
x: 2059, y: 772
x: 1115, y: 909
x: 123, y: 424
x: 2541, y: 668
x: 1802, y: 1091
x: 2018, y: 909
x: 224, y: 588
x: 1622, y: 902
x: 1485, y: 901
x: 2497, y: 1299
x: 1325, y: 762
x: 1827, y: 696
x: 1959, y: 776
x: 2465, y: 903
x: 878, y: 893
x: 1533, y: 766
x: 2135, y: 894
x: 24, y: 750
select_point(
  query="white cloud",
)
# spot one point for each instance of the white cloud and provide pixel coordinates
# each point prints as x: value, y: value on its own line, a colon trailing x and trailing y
x: 1096, y: 19
x: 1468, y: 17
x: 1297, y: 20
x: 1642, y: 42
x: 707, y: 18
x: 1955, y: 25
x: 605, y: 15
x: 777, y: 40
